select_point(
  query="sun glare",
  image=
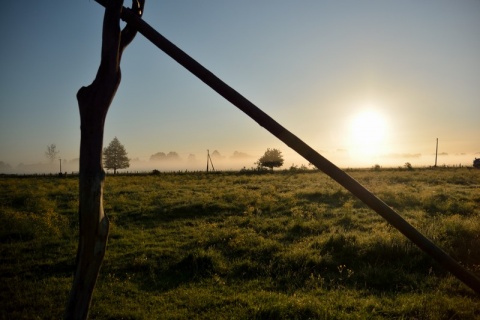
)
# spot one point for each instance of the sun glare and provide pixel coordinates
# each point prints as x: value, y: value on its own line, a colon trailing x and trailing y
x: 368, y: 130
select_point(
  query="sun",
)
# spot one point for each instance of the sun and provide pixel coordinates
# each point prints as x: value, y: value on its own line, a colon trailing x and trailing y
x: 368, y: 133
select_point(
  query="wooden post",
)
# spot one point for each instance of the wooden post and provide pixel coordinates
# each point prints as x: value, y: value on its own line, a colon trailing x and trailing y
x: 208, y: 157
x: 436, y: 154
x: 303, y: 149
x: 93, y: 103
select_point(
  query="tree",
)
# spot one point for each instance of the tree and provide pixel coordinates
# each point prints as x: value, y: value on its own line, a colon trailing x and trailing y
x: 272, y: 158
x: 161, y: 156
x: 51, y: 152
x: 217, y: 155
x: 173, y: 156
x: 158, y: 156
x: 476, y: 163
x: 115, y: 156
x: 4, y: 167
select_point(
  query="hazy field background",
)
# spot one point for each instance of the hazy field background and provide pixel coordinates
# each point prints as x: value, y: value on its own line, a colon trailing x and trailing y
x: 234, y: 161
x: 284, y: 245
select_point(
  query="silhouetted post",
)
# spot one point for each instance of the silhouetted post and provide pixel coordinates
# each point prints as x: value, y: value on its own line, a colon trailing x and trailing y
x: 208, y: 157
x: 60, y: 165
x: 93, y: 103
x: 436, y: 154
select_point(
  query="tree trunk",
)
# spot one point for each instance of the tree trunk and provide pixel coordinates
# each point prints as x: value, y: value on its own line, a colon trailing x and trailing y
x: 93, y: 102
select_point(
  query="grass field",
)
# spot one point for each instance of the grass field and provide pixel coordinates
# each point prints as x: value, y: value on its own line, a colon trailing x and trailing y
x: 284, y: 245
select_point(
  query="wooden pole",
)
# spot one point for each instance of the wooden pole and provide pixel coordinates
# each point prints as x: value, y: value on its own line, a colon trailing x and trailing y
x: 301, y: 148
x: 211, y: 162
x: 208, y: 157
x: 436, y: 154
x: 93, y: 103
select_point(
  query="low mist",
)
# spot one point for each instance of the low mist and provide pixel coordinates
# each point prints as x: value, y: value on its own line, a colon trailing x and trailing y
x: 240, y: 160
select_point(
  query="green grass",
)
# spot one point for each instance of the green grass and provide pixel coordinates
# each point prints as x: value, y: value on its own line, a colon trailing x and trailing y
x: 287, y: 245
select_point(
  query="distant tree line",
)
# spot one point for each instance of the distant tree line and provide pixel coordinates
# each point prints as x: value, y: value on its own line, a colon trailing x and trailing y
x: 161, y: 156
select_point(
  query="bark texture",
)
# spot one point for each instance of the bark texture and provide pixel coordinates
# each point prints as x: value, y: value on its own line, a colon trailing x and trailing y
x: 93, y: 102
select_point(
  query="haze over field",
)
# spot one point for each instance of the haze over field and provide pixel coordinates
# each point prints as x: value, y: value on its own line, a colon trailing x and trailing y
x: 364, y: 83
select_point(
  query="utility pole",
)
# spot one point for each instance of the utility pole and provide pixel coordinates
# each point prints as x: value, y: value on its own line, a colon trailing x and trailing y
x: 436, y: 154
x: 60, y: 165
x: 209, y: 159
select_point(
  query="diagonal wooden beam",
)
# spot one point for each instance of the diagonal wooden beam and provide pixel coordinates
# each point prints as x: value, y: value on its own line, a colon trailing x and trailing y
x: 301, y: 148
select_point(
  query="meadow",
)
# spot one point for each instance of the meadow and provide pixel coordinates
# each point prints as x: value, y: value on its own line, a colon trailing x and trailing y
x: 229, y: 245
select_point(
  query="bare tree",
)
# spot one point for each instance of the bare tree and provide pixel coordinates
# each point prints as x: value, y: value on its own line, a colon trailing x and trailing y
x: 52, y: 152
x: 93, y: 102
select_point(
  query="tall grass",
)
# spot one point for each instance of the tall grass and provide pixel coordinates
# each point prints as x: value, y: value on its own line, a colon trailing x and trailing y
x: 286, y: 245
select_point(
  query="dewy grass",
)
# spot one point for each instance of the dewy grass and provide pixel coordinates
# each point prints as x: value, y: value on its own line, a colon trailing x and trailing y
x: 283, y: 245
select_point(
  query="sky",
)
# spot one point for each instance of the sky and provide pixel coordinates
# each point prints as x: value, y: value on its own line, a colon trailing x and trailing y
x: 362, y: 82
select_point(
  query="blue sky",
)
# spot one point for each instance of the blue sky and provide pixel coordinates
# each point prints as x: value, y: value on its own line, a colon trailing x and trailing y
x: 363, y: 82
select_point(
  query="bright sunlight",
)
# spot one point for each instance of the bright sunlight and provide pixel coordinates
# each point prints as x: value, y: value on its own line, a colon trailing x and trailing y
x: 368, y: 132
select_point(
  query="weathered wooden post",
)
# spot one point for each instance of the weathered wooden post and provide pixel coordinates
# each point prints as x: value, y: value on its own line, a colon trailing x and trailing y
x: 93, y: 103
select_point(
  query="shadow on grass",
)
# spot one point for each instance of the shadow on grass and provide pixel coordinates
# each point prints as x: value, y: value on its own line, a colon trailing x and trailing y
x: 332, y: 200
x: 161, y: 273
x: 154, y: 217
x: 341, y: 262
x: 61, y: 268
